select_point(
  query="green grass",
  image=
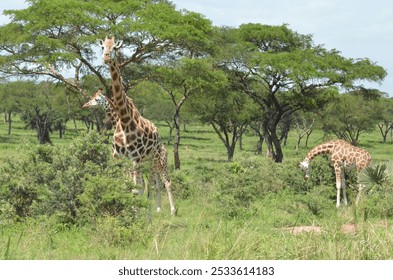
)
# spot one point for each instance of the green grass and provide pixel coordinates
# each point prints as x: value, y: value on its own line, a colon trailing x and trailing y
x: 201, y: 230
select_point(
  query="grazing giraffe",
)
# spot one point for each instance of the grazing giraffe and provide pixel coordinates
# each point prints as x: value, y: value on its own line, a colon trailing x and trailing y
x: 342, y: 155
x: 135, y: 137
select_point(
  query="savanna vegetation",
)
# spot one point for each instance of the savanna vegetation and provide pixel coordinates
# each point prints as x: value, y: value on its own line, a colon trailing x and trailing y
x: 237, y: 109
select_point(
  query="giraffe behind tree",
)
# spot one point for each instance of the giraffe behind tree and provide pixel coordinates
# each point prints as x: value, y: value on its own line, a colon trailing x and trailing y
x: 342, y: 155
x: 134, y: 136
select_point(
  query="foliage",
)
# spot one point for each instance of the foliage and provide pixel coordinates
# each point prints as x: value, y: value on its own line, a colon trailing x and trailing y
x: 376, y: 191
x: 283, y: 72
x: 349, y: 116
x: 384, y: 107
x: 377, y: 175
x: 218, y: 218
x: 75, y: 201
x: 50, y: 37
x: 228, y: 112
x: 77, y: 184
x: 188, y: 77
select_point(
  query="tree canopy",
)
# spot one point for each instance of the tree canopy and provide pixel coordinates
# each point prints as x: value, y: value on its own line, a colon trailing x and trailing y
x: 280, y: 70
x: 283, y: 72
x: 54, y: 37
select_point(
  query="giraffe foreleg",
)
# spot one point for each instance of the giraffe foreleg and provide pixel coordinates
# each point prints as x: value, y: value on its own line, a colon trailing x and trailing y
x: 168, y: 187
x: 337, y: 170
x: 161, y: 168
x: 158, y: 192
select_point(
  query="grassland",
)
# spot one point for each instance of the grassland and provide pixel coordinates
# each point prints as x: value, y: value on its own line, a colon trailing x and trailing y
x: 209, y: 225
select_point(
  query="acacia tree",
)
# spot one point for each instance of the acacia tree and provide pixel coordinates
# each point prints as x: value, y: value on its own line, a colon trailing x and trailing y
x: 38, y: 107
x: 228, y: 112
x: 385, y: 117
x: 10, y: 93
x: 349, y: 116
x: 54, y: 38
x: 283, y: 72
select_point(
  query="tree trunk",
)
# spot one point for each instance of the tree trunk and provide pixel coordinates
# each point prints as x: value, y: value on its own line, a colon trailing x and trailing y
x: 278, y: 155
x: 62, y: 129
x: 259, y: 145
x: 241, y: 142
x: 230, y: 152
x: 176, y: 143
x: 43, y: 134
x: 98, y: 122
x: 273, y: 143
x: 42, y: 124
x: 74, y: 122
x: 170, y: 132
x: 9, y: 120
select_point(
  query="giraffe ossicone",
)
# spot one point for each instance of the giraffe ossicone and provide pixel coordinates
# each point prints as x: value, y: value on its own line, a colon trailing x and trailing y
x: 342, y: 155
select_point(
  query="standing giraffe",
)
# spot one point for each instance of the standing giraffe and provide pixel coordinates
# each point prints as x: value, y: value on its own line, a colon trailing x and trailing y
x: 134, y: 136
x: 342, y: 155
x: 99, y: 99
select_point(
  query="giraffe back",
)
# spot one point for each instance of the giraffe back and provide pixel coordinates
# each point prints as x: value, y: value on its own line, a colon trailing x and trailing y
x: 349, y: 154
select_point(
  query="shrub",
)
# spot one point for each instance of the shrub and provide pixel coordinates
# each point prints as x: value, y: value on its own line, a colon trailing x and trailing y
x: 377, y: 192
x: 244, y: 182
x: 76, y: 184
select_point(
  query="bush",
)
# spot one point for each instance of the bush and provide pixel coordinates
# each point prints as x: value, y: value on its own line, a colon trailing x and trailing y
x: 244, y: 182
x: 76, y: 184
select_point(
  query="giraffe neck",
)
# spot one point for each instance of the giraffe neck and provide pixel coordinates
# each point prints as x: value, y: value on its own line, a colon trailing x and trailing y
x: 110, y: 109
x: 125, y: 111
x: 325, y: 148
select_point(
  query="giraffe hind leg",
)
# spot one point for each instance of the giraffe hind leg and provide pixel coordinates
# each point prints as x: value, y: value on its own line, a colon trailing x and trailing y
x: 338, y: 171
x: 343, y: 187
x: 160, y: 167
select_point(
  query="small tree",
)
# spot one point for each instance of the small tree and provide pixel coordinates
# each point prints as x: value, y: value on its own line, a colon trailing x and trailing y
x: 385, y: 117
x: 304, y: 125
x: 183, y: 80
x: 38, y: 109
x: 228, y: 112
x: 349, y: 116
x: 10, y: 94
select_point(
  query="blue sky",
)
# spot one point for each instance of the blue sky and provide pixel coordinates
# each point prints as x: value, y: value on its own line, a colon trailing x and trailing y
x: 357, y: 28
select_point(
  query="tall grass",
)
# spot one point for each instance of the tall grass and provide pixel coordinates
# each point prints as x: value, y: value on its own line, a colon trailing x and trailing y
x: 238, y: 210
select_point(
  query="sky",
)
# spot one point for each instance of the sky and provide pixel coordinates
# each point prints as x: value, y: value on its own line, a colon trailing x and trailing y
x: 356, y: 28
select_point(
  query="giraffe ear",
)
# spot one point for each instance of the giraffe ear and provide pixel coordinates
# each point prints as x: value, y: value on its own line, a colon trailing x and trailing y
x: 118, y: 44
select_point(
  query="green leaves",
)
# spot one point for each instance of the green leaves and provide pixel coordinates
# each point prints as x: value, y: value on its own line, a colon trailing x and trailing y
x: 53, y: 36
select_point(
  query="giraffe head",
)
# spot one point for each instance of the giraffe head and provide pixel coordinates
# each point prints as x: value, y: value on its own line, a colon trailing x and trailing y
x: 109, y: 47
x: 97, y: 99
x: 305, y: 167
